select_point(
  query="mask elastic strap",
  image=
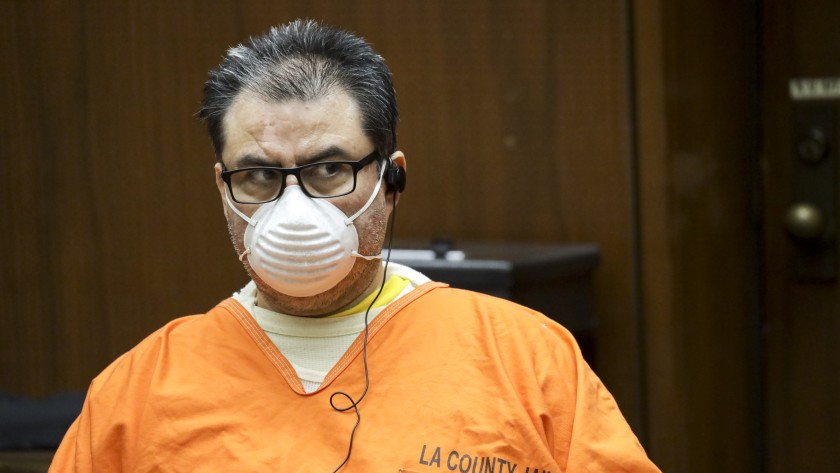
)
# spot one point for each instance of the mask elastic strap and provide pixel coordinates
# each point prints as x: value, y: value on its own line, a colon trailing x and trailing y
x: 365, y: 257
x: 244, y: 217
x: 238, y: 212
x: 349, y: 220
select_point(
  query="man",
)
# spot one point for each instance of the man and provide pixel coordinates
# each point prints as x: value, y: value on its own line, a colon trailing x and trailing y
x: 331, y: 358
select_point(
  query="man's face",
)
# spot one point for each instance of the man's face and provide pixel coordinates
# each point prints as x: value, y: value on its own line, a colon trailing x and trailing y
x: 293, y: 133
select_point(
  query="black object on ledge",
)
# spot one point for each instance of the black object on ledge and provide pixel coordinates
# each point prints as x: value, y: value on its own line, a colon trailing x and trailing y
x: 555, y: 279
x: 37, y: 423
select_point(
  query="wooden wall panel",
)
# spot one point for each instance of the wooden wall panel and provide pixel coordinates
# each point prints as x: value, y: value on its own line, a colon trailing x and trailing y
x: 696, y: 146
x: 514, y: 121
x: 115, y: 223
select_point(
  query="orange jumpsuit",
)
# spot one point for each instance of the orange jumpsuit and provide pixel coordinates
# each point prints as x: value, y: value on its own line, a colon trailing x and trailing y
x: 459, y: 381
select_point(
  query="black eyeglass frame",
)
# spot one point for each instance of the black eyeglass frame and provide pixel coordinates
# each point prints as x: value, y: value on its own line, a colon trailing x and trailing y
x: 295, y: 171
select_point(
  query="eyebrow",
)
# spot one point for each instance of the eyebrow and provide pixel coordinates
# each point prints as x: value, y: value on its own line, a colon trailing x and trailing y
x: 250, y: 160
x: 331, y: 152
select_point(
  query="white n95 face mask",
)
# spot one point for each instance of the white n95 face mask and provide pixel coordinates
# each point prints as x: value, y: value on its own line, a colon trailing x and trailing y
x: 302, y: 246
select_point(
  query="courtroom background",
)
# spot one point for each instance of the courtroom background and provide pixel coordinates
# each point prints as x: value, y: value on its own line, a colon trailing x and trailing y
x: 658, y: 130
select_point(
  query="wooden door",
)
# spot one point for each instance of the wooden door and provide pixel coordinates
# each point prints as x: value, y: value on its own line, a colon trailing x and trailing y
x: 801, y: 40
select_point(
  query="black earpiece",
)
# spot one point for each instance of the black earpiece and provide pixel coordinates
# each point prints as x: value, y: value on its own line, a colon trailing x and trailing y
x: 395, y: 176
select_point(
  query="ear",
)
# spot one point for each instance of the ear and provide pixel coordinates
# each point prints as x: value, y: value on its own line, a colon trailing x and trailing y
x: 220, y: 184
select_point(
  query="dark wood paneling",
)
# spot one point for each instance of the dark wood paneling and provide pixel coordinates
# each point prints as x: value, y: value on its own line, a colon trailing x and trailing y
x: 114, y: 224
x: 514, y: 121
x: 696, y: 143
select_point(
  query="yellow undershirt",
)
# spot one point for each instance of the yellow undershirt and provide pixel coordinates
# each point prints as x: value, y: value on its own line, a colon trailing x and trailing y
x: 390, y: 291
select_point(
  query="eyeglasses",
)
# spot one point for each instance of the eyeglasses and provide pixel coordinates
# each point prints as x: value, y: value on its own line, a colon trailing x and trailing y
x: 258, y: 185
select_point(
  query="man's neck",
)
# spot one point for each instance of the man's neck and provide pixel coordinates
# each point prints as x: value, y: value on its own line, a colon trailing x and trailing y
x: 324, y: 304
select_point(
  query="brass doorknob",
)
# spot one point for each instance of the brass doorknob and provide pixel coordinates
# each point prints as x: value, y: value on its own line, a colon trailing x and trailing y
x: 805, y: 222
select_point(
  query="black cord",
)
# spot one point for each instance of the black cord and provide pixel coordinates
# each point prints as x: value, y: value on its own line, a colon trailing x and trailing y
x: 355, y: 404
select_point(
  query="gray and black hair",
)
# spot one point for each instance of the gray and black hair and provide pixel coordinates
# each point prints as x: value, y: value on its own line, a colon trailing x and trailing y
x: 304, y: 60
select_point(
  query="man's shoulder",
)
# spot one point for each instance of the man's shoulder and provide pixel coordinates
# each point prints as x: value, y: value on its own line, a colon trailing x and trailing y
x: 506, y: 338
x: 466, y: 310
x: 186, y: 327
x: 186, y: 334
x: 464, y: 300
